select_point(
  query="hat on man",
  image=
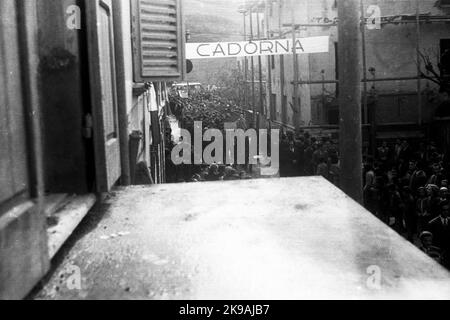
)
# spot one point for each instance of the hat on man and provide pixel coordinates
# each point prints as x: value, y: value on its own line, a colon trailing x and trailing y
x: 425, y: 234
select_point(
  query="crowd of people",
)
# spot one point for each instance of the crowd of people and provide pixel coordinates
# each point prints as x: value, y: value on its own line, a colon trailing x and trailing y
x: 407, y: 187
x: 304, y: 155
x: 212, y: 109
x: 218, y: 172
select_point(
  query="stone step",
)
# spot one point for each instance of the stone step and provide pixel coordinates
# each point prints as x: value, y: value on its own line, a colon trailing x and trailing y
x: 67, y: 218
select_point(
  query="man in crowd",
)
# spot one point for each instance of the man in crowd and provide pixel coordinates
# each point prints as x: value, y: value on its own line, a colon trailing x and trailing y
x: 426, y: 245
x: 242, y: 123
x: 440, y: 228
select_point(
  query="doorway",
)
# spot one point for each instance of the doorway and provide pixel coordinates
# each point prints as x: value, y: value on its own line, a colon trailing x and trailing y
x: 66, y: 121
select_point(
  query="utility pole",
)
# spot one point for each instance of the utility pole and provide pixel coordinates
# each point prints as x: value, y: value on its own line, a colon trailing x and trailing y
x: 350, y: 98
x: 419, y: 64
x: 261, y: 88
x: 252, y: 61
x: 297, y: 107
x: 282, y: 79
x: 244, y: 12
x: 271, y: 107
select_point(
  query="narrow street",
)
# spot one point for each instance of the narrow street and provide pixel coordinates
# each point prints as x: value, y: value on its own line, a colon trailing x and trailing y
x: 238, y: 240
x: 224, y: 149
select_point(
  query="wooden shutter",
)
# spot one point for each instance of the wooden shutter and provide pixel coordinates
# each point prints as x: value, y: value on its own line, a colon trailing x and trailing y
x: 158, y: 40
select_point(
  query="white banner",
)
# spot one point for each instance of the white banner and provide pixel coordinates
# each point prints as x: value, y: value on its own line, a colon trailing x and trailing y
x: 256, y: 48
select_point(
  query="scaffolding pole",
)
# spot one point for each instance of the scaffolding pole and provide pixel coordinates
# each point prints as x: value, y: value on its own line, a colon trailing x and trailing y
x: 364, y: 60
x: 269, y: 65
x: 372, y: 111
x: 245, y: 67
x: 252, y: 61
x: 422, y: 19
x: 363, y: 80
x: 297, y: 111
x: 282, y: 79
x: 419, y: 65
x: 349, y: 12
x: 261, y: 89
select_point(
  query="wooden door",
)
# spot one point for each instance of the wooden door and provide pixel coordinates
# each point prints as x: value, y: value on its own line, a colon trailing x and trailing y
x: 24, y: 258
x: 103, y: 92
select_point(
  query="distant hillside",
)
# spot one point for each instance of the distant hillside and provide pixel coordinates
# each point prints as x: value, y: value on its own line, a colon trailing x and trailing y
x: 204, y: 28
x: 212, y: 21
x: 219, y: 8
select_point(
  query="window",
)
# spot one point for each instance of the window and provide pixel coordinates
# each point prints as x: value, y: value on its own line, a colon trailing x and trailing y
x: 445, y: 57
x: 333, y: 116
x: 158, y: 40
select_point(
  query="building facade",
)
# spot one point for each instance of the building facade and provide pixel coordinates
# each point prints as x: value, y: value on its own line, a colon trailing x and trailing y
x: 396, y: 34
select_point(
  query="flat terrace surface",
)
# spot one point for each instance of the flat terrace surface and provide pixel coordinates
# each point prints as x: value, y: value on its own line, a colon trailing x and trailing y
x: 261, y: 239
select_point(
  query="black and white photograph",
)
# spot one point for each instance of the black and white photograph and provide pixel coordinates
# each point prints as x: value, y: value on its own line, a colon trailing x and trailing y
x: 240, y: 152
